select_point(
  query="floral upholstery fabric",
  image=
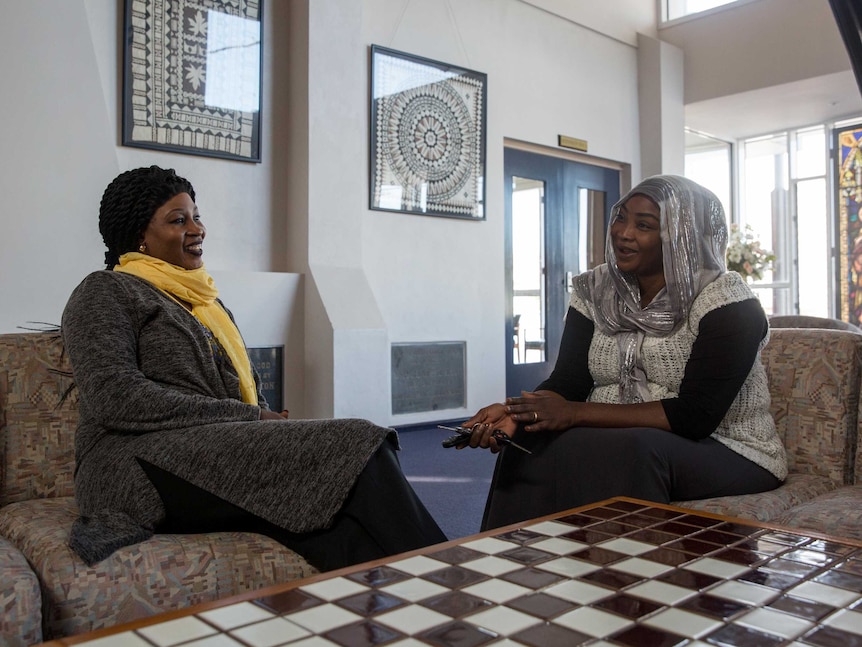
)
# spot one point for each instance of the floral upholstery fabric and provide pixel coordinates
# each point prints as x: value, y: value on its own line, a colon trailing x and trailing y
x: 837, y: 513
x: 37, y: 434
x: 807, y: 321
x: 766, y: 506
x: 814, y: 381
x: 37, y: 509
x: 163, y: 573
x: 857, y: 466
x: 20, y: 599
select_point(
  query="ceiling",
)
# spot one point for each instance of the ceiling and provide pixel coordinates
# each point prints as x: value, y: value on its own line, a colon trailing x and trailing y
x: 819, y: 100
x: 813, y: 101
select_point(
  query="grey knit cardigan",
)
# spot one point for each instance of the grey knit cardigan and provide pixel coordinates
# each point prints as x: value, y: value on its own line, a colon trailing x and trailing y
x: 151, y: 387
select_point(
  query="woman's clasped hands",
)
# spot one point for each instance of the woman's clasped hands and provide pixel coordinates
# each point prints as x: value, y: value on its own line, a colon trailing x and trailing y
x: 266, y: 414
x: 532, y: 411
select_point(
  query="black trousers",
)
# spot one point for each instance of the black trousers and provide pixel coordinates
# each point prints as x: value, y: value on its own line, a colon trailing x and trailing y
x: 382, y: 516
x: 584, y: 465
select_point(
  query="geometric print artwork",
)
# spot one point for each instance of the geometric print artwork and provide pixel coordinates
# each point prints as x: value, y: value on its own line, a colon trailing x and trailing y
x: 849, y: 192
x: 427, y: 136
x: 192, y: 77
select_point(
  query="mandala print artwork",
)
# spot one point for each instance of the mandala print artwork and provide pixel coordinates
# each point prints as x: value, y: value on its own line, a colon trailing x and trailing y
x: 192, y: 77
x: 427, y: 137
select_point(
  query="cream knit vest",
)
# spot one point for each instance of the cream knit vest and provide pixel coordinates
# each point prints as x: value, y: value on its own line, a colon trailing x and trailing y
x: 747, y: 428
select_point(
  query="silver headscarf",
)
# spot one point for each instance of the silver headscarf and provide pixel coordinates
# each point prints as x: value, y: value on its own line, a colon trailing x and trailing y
x: 693, y: 240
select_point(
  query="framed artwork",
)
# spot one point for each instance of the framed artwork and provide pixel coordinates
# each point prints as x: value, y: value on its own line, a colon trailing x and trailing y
x: 848, y: 191
x: 427, y: 149
x: 192, y: 76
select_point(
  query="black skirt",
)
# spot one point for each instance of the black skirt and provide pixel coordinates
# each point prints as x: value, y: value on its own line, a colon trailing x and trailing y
x: 584, y: 465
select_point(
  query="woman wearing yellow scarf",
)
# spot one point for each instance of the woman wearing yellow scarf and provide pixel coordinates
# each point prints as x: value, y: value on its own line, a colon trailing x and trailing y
x: 174, y: 434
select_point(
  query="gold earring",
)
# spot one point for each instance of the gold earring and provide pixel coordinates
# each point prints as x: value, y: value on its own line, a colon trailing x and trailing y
x: 142, y: 248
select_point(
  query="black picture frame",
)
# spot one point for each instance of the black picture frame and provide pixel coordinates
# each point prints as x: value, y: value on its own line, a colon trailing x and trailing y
x: 192, y: 77
x: 427, y: 144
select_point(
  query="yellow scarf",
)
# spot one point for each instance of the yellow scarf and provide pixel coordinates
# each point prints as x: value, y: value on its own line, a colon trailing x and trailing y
x: 197, y: 288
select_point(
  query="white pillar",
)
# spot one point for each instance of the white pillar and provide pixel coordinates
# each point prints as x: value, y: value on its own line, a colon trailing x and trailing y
x: 347, y: 347
x: 661, y: 107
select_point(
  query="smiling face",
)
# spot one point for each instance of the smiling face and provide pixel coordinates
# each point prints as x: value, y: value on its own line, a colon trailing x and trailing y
x: 175, y: 233
x: 636, y: 236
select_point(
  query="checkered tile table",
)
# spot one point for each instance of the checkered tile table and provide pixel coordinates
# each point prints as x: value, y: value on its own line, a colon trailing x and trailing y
x: 623, y: 573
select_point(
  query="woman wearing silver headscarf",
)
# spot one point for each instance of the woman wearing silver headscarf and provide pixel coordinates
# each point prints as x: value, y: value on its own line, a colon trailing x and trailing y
x: 658, y: 391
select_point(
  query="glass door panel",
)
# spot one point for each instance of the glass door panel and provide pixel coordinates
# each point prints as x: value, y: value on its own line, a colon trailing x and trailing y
x: 591, y: 235
x: 765, y: 198
x: 813, y: 247
x: 528, y: 270
x: 544, y: 236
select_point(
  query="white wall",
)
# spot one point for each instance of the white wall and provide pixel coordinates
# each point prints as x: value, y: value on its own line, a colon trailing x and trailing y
x: 373, y: 278
x: 439, y: 279
x: 267, y: 308
x: 59, y: 137
x: 56, y: 155
x: 620, y: 19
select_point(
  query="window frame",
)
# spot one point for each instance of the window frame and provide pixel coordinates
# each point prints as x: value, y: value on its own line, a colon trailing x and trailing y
x: 783, y: 289
x: 667, y: 8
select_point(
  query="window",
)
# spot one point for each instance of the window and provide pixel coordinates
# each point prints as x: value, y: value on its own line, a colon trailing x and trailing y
x: 680, y: 8
x: 708, y: 162
x: 784, y: 199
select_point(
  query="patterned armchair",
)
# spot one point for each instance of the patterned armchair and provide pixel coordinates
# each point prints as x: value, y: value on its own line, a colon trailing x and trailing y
x: 46, y: 591
x: 814, y: 382
x: 807, y: 321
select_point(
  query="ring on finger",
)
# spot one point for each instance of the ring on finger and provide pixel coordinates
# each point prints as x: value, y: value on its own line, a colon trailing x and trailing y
x: 535, y: 417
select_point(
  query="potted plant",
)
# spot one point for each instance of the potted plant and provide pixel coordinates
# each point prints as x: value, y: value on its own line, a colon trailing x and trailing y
x: 746, y: 255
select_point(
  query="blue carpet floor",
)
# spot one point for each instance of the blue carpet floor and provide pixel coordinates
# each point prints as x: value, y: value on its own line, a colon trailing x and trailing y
x: 453, y: 484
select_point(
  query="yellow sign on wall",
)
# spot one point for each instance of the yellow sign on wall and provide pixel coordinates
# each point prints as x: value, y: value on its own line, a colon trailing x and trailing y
x: 571, y: 142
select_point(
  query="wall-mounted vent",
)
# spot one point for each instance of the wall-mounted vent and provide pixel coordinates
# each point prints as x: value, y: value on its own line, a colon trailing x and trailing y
x: 428, y: 376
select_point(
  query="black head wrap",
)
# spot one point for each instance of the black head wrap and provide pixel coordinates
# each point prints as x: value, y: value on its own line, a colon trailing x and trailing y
x: 128, y: 205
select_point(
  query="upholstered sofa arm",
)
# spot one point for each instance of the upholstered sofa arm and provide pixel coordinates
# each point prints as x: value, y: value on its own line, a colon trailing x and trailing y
x: 20, y: 599
x: 814, y: 383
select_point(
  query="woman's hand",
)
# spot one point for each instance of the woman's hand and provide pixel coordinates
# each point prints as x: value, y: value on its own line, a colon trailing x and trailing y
x: 266, y: 414
x: 485, y: 422
x: 542, y: 411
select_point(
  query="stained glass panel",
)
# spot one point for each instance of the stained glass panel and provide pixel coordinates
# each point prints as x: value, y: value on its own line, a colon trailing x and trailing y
x: 849, y: 178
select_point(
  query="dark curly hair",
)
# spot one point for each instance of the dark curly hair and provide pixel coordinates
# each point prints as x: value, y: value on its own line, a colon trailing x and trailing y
x: 128, y: 205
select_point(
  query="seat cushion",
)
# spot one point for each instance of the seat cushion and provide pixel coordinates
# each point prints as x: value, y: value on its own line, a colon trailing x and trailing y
x: 163, y: 573
x: 837, y: 513
x: 20, y: 599
x: 765, y: 506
